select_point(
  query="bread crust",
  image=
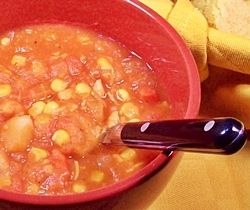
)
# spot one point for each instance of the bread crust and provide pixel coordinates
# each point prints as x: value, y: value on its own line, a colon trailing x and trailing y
x: 231, y: 16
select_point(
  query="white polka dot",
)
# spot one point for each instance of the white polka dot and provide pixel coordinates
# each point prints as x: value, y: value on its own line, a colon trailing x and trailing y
x: 144, y: 127
x: 209, y: 125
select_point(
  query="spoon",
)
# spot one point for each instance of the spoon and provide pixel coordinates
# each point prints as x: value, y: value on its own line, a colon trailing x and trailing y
x: 218, y: 135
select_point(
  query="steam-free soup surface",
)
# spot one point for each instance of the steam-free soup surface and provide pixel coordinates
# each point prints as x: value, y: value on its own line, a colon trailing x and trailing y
x: 60, y: 87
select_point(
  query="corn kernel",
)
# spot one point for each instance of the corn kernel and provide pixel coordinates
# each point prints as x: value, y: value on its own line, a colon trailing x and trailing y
x: 65, y: 94
x: 51, y: 107
x: 36, y: 108
x: 5, y: 90
x: 103, y: 63
x: 99, y: 89
x: 113, y: 119
x: 128, y: 154
x: 83, y: 88
x: 18, y: 60
x: 61, y: 137
x: 5, y: 41
x: 58, y: 85
x: 129, y: 110
x: 79, y: 187
x: 122, y: 95
x: 38, y: 153
x: 97, y: 176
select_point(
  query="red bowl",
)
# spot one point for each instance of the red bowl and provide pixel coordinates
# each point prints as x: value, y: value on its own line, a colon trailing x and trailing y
x: 142, y: 31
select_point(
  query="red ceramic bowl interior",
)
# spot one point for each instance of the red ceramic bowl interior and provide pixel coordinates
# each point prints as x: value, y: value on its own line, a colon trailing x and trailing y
x: 142, y: 31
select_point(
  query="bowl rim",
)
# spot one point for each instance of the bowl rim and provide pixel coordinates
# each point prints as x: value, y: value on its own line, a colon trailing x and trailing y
x: 150, y: 169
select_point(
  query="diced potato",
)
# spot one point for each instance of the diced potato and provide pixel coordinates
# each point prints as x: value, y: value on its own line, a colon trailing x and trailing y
x: 5, y: 41
x: 38, y: 153
x: 76, y: 170
x: 61, y: 137
x: 38, y: 68
x: 36, y: 108
x: 79, y: 187
x: 99, y: 89
x: 113, y: 119
x: 96, y: 176
x: 58, y: 85
x: 5, y: 90
x: 129, y: 110
x: 122, y: 95
x: 128, y: 154
x: 103, y: 63
x: 51, y: 107
x: 17, y: 133
x: 83, y: 89
x: 65, y: 94
x: 18, y: 61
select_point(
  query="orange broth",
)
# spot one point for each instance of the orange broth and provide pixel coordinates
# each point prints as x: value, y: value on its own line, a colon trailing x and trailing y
x: 61, y: 86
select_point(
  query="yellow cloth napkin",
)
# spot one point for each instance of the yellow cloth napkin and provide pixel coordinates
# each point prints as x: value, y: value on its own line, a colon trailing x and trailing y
x: 208, y: 45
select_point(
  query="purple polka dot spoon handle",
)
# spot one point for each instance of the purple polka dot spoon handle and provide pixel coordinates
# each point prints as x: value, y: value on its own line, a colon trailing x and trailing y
x: 219, y: 135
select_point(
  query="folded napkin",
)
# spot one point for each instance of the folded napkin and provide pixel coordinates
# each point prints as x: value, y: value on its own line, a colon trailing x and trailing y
x: 208, y: 45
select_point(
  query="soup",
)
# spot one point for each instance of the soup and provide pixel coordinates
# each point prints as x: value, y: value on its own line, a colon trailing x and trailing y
x: 61, y: 87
